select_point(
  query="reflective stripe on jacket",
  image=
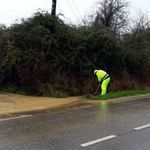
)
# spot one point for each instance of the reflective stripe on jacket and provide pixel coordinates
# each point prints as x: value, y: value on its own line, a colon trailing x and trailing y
x: 101, y: 75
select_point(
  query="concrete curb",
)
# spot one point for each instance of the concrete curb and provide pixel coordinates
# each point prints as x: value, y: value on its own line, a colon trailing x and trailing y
x: 122, y: 99
x: 128, y: 98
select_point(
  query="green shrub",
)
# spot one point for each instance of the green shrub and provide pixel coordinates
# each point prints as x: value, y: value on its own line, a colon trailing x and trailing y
x: 10, y: 88
x: 43, y: 50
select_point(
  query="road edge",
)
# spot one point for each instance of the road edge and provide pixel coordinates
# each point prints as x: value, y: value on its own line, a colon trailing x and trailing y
x: 79, y: 103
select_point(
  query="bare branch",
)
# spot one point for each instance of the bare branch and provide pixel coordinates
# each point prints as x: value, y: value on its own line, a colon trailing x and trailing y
x: 111, y: 14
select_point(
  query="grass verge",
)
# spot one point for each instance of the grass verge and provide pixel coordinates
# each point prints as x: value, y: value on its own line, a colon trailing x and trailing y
x: 119, y: 94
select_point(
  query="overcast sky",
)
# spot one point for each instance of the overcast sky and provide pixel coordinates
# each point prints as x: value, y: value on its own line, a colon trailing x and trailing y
x: 13, y: 10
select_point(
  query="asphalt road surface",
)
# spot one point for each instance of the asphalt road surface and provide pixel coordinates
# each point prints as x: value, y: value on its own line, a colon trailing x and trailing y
x: 120, y: 126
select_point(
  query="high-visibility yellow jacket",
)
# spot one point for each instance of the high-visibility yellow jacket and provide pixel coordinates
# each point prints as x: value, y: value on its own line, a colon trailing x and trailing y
x: 100, y: 75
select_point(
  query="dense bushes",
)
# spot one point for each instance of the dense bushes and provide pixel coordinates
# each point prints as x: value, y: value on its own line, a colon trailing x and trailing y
x: 45, y: 55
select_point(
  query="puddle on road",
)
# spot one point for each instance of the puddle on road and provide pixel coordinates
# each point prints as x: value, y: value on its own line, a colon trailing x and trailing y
x: 103, y: 111
x: 104, y: 106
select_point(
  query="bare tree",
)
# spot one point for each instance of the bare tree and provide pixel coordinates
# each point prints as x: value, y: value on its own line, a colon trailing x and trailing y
x: 111, y: 14
x: 142, y: 23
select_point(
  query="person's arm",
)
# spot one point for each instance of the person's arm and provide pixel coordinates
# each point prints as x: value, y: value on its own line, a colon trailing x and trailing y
x: 99, y: 84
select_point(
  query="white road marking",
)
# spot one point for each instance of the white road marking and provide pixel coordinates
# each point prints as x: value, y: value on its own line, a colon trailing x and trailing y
x: 98, y: 140
x: 142, y: 127
x: 23, y: 116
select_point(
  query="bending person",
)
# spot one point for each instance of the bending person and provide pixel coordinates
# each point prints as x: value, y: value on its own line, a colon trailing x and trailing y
x: 103, y: 79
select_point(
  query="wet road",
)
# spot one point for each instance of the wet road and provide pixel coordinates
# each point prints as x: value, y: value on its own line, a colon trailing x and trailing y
x: 81, y: 129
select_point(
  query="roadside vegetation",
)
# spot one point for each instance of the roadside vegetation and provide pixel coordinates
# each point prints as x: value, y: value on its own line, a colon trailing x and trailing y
x: 46, y: 56
x: 118, y: 94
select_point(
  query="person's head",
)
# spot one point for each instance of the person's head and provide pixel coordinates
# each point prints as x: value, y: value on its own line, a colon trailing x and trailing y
x: 95, y: 72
